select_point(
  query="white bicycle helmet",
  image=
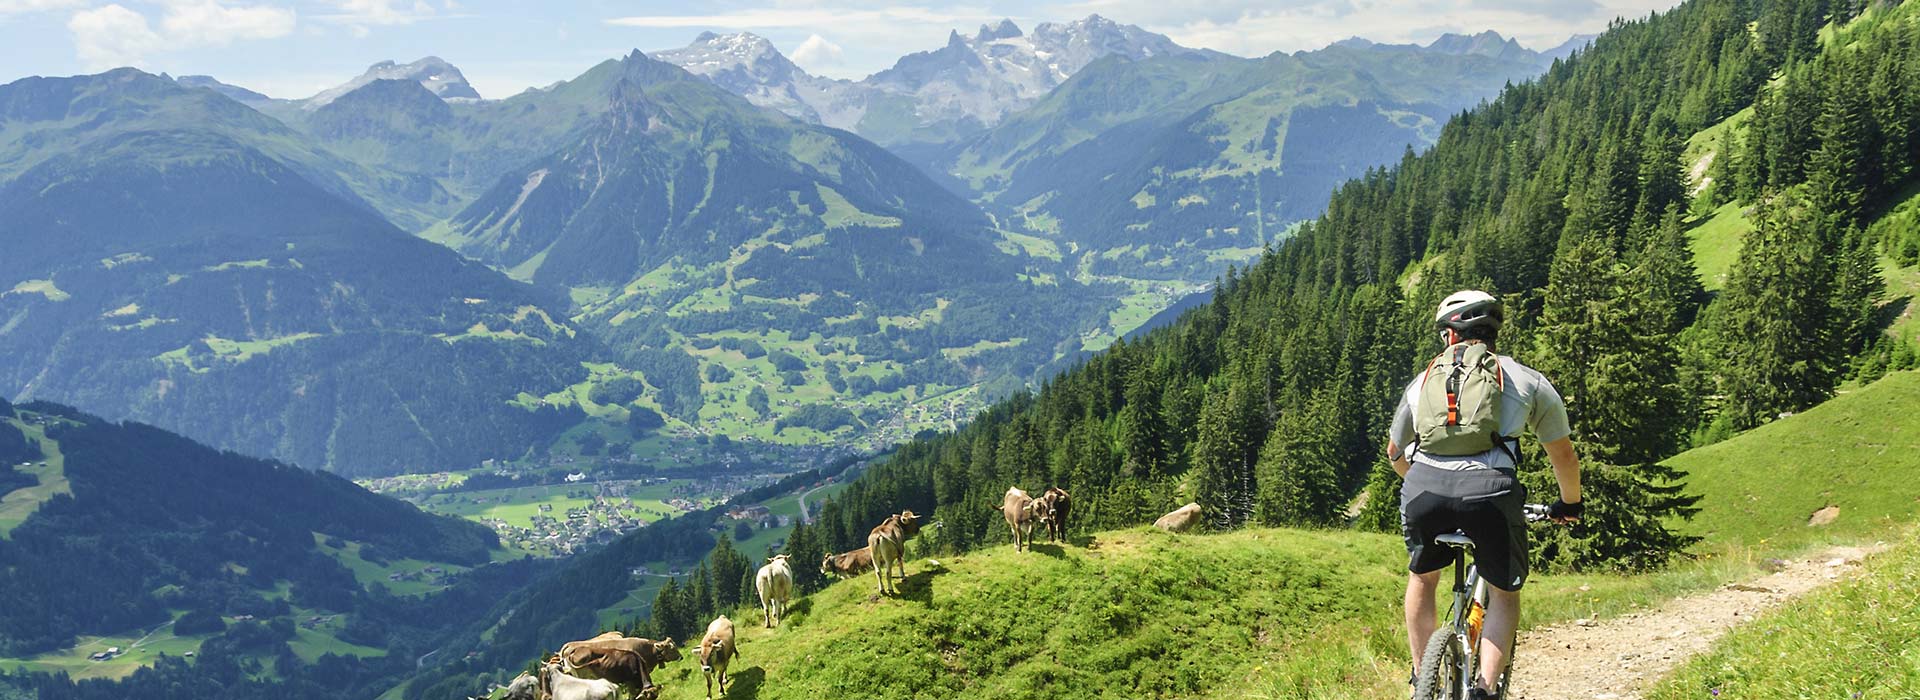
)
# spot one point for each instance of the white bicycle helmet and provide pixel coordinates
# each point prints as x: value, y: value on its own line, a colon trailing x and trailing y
x: 1470, y: 308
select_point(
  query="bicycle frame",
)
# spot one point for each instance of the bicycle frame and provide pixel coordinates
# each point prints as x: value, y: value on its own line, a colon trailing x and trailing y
x: 1469, y: 590
x: 1459, y: 653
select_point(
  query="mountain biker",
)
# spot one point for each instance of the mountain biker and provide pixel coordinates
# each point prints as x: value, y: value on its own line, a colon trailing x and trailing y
x: 1477, y: 493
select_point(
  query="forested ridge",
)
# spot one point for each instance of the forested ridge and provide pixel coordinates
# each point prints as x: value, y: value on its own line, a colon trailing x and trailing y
x: 158, y: 535
x: 1567, y: 196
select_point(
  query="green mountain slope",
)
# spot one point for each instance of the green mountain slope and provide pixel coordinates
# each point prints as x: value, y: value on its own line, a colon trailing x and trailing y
x: 152, y: 539
x: 1857, y: 452
x: 683, y: 218
x: 1175, y: 162
x: 176, y: 271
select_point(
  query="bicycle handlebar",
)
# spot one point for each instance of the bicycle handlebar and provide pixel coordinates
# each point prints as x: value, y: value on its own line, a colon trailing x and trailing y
x: 1535, y: 512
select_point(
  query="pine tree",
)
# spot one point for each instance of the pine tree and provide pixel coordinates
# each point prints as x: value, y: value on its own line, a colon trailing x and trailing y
x: 1857, y: 287
x: 728, y: 566
x: 1752, y: 175
x: 1298, y: 473
x: 1143, y: 433
x: 1605, y: 207
x: 1382, y: 510
x: 1573, y: 318
x: 1661, y: 179
x: 1723, y: 172
x: 1772, y: 328
x: 1223, y: 459
x: 1674, y: 288
x: 1842, y: 164
x: 673, y: 614
x: 1627, y: 522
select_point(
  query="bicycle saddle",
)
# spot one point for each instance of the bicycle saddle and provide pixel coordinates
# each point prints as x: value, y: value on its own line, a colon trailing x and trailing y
x: 1455, y: 540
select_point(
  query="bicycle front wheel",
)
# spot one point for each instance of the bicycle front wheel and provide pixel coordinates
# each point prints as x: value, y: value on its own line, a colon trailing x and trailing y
x: 1440, y: 667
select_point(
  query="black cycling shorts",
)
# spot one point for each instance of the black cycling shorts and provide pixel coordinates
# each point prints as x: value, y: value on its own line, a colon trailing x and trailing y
x: 1486, y: 504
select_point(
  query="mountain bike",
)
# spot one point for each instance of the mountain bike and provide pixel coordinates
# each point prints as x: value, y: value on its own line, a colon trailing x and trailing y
x: 1452, y: 662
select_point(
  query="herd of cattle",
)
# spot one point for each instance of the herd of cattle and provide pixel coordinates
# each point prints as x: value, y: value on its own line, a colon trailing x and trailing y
x: 599, y: 668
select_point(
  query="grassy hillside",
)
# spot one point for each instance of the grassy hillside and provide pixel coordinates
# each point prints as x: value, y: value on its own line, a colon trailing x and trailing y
x: 1859, y: 452
x: 1132, y: 614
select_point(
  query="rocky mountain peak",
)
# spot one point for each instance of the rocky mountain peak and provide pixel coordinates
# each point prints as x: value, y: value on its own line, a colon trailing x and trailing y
x: 1004, y: 29
x: 433, y: 73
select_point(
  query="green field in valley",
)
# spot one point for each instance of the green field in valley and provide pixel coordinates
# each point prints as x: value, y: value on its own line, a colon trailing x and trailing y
x: 139, y: 649
x: 519, y: 506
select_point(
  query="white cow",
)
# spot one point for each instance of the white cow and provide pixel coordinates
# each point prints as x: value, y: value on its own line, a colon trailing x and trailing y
x: 560, y: 686
x: 775, y: 584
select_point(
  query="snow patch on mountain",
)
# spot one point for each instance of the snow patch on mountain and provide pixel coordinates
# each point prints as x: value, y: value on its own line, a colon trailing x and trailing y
x: 436, y: 75
x: 966, y: 85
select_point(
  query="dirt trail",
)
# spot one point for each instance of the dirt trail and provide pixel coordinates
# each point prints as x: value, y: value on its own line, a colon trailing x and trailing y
x: 1619, y: 658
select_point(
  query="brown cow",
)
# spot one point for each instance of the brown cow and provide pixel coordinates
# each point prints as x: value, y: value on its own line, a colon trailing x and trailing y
x: 847, y: 565
x: 888, y: 545
x: 1051, y: 508
x: 716, y: 651
x: 1017, y: 507
x: 1180, y: 520
x: 628, y: 661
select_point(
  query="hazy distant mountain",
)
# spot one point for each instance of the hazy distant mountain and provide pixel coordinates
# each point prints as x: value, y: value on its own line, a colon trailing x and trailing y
x: 1578, y: 42
x: 1162, y: 167
x: 177, y: 258
x: 748, y: 65
x: 684, y: 210
x: 234, y: 92
x: 437, y: 76
x: 930, y: 96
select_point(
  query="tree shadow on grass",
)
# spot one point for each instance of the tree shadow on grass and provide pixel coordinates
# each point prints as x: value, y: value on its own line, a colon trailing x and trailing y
x: 1890, y: 312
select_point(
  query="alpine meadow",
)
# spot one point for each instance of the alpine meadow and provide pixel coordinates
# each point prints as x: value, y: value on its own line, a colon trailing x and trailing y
x: 800, y: 353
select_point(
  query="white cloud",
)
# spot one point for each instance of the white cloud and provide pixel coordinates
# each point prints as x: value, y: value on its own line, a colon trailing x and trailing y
x: 817, y: 53
x: 21, y: 7
x: 361, y: 14
x: 209, y: 23
x: 112, y: 35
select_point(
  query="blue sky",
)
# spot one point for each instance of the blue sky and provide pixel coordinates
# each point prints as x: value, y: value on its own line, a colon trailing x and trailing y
x: 293, y: 48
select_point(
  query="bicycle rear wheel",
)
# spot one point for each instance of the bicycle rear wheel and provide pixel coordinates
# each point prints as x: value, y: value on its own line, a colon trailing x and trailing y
x: 1440, y: 668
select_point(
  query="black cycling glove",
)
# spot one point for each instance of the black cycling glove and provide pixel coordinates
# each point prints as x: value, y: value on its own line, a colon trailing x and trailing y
x: 1561, y: 510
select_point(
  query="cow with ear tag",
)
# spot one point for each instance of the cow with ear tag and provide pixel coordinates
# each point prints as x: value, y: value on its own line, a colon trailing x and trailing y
x: 716, y: 651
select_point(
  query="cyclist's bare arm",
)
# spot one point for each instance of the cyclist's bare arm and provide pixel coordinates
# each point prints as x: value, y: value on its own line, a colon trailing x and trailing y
x: 1566, y: 468
x: 1399, y: 460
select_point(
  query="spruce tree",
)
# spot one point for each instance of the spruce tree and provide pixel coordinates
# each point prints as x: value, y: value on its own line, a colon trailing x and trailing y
x: 1841, y: 166
x: 1674, y: 288
x: 1723, y: 172
x: 1298, y: 473
x: 1575, y: 319
x: 1662, y: 179
x: 1772, y: 329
